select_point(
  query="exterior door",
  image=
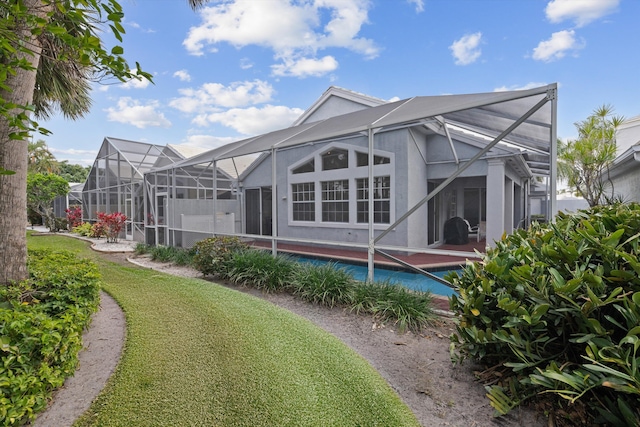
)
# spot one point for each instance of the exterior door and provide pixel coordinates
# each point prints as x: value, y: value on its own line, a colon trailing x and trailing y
x: 258, y: 215
x: 161, y: 224
x: 128, y: 224
x: 433, y: 216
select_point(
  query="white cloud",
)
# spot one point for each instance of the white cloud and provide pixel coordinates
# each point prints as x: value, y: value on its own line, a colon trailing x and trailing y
x: 466, y: 50
x: 132, y: 112
x: 557, y: 46
x: 183, y: 75
x: 581, y: 12
x: 293, y: 30
x: 210, y: 96
x: 304, y: 67
x: 245, y: 63
x: 253, y: 120
x: 419, y: 5
x: 75, y: 157
x: 530, y: 85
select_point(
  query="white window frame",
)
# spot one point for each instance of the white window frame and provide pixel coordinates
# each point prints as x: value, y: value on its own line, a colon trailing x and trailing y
x: 352, y: 173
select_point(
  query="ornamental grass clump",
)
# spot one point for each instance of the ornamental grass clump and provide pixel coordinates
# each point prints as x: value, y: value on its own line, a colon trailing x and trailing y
x: 323, y: 284
x: 41, y: 324
x: 260, y: 269
x: 390, y: 302
x: 555, y: 311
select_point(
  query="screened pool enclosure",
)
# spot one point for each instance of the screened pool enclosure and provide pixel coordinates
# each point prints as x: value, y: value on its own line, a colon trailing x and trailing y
x: 115, y: 181
x: 381, y: 179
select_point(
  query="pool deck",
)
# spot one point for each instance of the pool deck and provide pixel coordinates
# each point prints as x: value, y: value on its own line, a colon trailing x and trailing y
x: 424, y: 261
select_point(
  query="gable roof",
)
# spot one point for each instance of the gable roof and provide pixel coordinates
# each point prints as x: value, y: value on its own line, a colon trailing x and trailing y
x: 358, y: 101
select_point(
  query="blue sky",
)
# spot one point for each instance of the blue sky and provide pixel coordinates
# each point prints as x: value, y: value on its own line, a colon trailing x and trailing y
x: 234, y: 69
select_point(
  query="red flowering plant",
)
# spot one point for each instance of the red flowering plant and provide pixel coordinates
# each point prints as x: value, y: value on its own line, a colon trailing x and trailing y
x: 74, y: 216
x: 113, y: 224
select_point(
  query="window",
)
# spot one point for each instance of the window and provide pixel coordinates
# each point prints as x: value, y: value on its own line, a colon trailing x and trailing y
x: 303, y: 201
x: 335, y: 158
x: 335, y: 201
x: 319, y: 184
x: 305, y: 167
x: 362, y: 159
x: 381, y: 199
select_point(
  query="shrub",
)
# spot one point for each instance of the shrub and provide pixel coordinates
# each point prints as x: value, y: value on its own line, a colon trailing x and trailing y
x: 74, y: 216
x: 58, y: 224
x: 391, y: 302
x: 83, y: 229
x: 142, y: 248
x: 178, y: 256
x: 98, y: 230
x: 112, y: 224
x: 211, y: 254
x: 557, y: 307
x: 41, y: 323
x: 323, y: 284
x: 260, y: 269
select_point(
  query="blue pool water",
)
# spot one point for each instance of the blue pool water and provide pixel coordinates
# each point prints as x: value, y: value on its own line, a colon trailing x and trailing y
x: 410, y: 280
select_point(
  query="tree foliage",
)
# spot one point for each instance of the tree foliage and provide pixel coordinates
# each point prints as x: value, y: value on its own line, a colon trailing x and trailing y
x: 72, y: 172
x: 584, y: 162
x: 42, y: 189
x: 50, y: 51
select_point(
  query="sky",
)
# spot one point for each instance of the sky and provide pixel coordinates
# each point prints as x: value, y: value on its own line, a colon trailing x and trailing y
x: 237, y: 68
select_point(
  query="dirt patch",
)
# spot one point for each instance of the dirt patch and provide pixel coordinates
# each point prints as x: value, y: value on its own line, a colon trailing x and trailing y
x: 417, y: 366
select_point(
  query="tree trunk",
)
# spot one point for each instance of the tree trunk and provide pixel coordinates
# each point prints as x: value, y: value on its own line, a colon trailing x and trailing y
x: 13, y: 157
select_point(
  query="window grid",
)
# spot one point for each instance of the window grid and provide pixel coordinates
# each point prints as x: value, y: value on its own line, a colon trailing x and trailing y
x: 303, y: 201
x: 381, y: 200
x: 335, y: 201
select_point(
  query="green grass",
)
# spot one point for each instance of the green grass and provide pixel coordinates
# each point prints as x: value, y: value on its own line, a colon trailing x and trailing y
x: 201, y: 354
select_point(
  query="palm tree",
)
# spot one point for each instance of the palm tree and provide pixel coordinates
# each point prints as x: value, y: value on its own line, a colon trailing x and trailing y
x: 584, y: 162
x: 51, y: 51
x: 40, y: 158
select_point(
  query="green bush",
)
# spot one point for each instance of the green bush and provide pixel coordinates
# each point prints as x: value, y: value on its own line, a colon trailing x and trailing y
x: 41, y: 324
x: 142, y: 248
x: 558, y: 308
x: 83, y: 229
x: 210, y: 255
x: 260, y: 269
x: 407, y: 309
x: 230, y: 259
x: 323, y: 284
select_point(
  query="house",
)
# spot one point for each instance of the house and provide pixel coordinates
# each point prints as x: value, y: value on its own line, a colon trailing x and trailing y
x: 487, y: 159
x: 624, y: 173
x: 424, y: 159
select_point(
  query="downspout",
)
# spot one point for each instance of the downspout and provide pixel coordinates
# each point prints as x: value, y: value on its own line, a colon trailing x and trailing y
x: 371, y: 247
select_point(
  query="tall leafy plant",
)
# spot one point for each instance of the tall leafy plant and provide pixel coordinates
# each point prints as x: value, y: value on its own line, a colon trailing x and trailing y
x: 556, y: 311
x: 112, y: 224
x: 584, y: 162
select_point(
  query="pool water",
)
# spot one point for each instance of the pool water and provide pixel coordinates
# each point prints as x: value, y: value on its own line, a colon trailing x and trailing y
x: 407, y: 279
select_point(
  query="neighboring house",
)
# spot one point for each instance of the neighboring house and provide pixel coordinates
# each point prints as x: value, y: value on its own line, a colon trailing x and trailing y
x: 624, y: 174
x: 115, y: 181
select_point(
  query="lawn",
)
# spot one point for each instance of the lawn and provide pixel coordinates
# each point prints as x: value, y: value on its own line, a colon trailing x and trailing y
x: 198, y: 353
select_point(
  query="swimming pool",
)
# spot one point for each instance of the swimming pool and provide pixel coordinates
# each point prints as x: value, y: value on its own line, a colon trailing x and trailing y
x: 410, y: 280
